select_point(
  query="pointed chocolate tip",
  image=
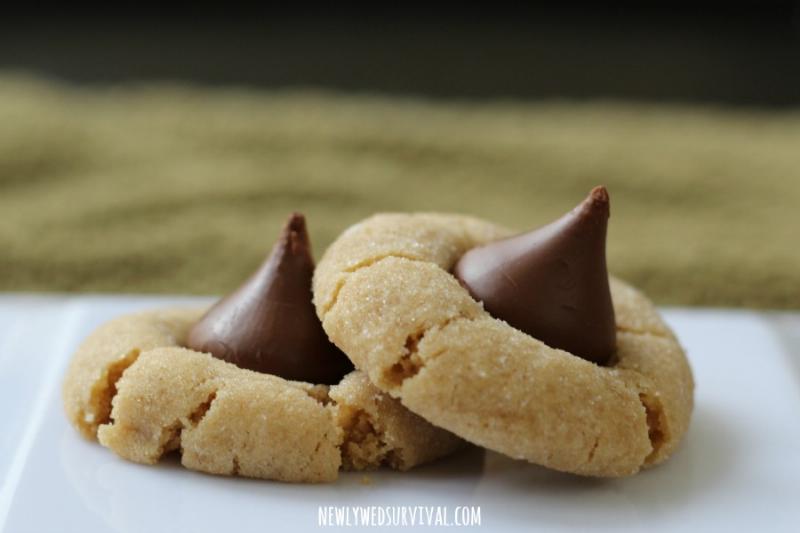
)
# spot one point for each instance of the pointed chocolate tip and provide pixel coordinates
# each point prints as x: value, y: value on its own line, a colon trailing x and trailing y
x: 296, y: 222
x: 599, y: 195
x: 295, y: 234
x: 596, y: 204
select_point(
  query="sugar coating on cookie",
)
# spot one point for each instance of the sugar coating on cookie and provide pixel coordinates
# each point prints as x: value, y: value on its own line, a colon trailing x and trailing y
x: 386, y: 297
x: 138, y: 392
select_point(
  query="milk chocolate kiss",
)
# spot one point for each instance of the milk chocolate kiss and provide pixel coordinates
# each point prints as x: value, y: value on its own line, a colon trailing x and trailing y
x: 551, y: 283
x: 269, y: 324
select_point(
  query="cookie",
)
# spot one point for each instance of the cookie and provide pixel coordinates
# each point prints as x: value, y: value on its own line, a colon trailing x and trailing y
x: 386, y: 296
x: 251, y: 386
x: 135, y: 388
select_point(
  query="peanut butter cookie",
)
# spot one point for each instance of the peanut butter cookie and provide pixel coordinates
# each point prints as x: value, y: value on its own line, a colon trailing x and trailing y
x: 386, y: 297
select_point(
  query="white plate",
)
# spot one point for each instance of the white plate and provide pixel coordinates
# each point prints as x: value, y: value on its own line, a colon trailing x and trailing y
x: 739, y: 468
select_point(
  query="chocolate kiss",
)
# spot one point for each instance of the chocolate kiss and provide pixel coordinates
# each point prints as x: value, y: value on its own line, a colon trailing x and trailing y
x: 269, y: 324
x: 551, y: 283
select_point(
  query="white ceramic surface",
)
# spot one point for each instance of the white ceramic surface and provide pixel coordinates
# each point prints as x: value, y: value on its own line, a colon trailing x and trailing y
x: 738, y: 470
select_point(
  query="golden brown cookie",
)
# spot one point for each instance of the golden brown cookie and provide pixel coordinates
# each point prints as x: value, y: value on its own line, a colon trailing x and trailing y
x: 386, y: 297
x: 133, y: 387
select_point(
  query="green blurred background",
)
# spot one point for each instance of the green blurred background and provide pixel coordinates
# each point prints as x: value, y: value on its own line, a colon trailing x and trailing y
x: 179, y: 184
